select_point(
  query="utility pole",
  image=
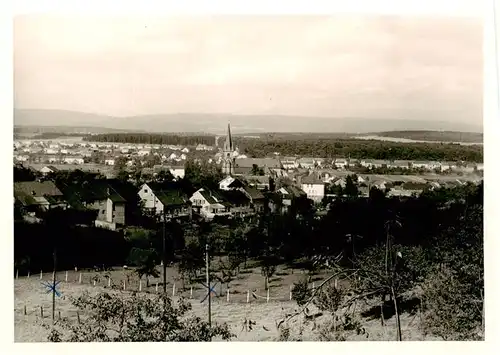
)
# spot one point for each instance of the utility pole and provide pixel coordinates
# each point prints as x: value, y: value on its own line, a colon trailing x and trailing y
x: 209, y: 288
x: 54, y: 288
x: 164, y: 255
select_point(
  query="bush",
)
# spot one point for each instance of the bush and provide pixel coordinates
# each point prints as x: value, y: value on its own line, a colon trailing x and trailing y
x: 135, y: 318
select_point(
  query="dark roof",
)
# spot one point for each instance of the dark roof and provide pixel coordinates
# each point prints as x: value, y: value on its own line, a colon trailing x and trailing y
x: 37, y: 188
x: 235, y: 197
x: 311, y: 179
x: 94, y: 190
x: 294, y: 191
x: 236, y: 183
x: 260, y: 162
x: 213, y: 196
x: 168, y: 194
x: 33, y: 192
x: 253, y: 193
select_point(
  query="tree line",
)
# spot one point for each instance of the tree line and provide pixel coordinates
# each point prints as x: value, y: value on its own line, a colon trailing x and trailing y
x: 151, y: 138
x: 314, y: 147
x: 361, y: 149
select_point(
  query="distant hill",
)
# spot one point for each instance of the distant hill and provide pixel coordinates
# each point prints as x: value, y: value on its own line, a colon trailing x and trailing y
x: 441, y: 136
x: 216, y: 123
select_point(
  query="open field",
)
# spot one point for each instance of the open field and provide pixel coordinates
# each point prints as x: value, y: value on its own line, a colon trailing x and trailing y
x: 30, y: 293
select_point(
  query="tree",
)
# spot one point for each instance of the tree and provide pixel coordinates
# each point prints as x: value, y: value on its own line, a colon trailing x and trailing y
x: 135, y: 318
x: 145, y: 260
x: 269, y: 264
x: 351, y: 189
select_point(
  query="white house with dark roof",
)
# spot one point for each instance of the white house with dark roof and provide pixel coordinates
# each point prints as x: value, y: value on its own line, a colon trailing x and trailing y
x: 209, y: 204
x: 160, y: 200
x: 314, y: 187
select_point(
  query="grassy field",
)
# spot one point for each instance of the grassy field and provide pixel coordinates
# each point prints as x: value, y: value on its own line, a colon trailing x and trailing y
x: 30, y: 294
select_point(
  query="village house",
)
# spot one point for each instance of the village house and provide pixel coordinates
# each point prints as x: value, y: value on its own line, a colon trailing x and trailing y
x: 245, y: 166
x: 178, y: 171
x: 314, y: 187
x: 34, y: 196
x: 48, y: 169
x: 109, y: 162
x: 373, y: 163
x: 286, y: 196
x: 289, y: 163
x: 307, y: 163
x: 209, y: 204
x: 99, y: 196
x: 255, y: 198
x: 340, y: 163
x: 162, y: 201
x: 73, y: 160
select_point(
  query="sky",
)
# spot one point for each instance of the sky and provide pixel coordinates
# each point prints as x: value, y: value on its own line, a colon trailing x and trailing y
x: 344, y: 65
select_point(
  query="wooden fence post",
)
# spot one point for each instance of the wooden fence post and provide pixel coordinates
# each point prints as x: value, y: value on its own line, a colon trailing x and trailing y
x: 78, y: 316
x: 248, y: 296
x: 66, y: 276
x: 290, y: 292
x: 80, y: 279
x: 28, y: 274
x: 173, y: 290
x: 156, y: 288
x: 25, y: 312
x: 227, y: 297
x: 191, y: 292
x: 41, y: 311
x: 41, y: 274
x: 109, y: 281
x: 267, y: 298
x: 140, y: 285
x: 124, y: 285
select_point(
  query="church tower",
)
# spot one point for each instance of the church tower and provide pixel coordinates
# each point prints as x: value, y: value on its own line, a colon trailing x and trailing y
x: 228, y: 160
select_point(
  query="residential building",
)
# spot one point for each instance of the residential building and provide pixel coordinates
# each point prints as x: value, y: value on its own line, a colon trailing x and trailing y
x: 99, y: 196
x: 162, y: 200
x: 314, y: 187
x: 35, y: 196
x: 209, y: 204
x: 246, y: 166
x: 48, y: 169
x: 178, y: 171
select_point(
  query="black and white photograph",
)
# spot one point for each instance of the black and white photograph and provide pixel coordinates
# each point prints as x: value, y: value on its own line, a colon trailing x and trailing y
x: 248, y: 177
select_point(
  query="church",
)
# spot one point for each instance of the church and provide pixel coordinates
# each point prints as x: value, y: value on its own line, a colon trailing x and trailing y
x: 228, y: 159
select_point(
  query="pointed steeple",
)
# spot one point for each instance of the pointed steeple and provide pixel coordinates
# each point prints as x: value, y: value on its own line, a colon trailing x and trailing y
x: 228, y: 144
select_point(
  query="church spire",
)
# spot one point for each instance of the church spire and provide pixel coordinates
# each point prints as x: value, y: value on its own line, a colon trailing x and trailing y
x: 228, y: 145
x: 228, y: 153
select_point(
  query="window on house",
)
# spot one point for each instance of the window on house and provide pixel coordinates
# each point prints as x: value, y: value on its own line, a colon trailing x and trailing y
x: 146, y: 190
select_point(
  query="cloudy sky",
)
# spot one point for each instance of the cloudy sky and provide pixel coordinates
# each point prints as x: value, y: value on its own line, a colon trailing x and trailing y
x: 335, y: 66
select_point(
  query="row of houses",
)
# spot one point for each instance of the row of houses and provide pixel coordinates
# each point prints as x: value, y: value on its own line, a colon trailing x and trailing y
x: 292, y: 163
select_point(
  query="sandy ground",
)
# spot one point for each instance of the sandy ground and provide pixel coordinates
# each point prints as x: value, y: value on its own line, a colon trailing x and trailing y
x: 30, y: 294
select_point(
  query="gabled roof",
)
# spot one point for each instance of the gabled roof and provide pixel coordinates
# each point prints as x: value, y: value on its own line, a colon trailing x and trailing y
x: 293, y: 191
x: 311, y: 179
x: 35, y: 192
x: 37, y: 188
x: 167, y: 194
x: 94, y: 190
x: 253, y: 193
x: 235, y: 197
x: 260, y: 162
x: 212, y: 196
